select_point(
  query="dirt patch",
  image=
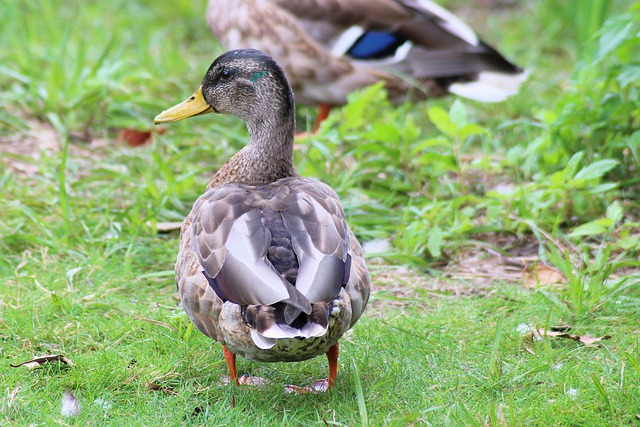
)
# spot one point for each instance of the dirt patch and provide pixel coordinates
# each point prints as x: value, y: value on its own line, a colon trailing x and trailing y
x: 22, y: 153
x: 474, y: 271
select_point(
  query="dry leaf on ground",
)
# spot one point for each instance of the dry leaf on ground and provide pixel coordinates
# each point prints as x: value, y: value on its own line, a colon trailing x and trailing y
x: 135, y: 137
x: 558, y: 332
x: 153, y: 386
x: 41, y: 360
x: 542, y: 275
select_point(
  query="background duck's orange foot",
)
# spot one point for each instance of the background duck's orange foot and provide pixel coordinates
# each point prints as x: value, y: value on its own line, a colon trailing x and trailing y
x: 246, y: 380
x: 319, y: 386
x: 303, y: 135
x: 323, y: 113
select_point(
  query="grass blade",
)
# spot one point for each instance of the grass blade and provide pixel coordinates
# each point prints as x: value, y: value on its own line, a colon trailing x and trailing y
x: 602, y: 393
x: 362, y: 406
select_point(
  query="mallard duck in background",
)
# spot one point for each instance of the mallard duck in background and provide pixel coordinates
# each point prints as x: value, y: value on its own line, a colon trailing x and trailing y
x: 328, y: 48
x: 268, y: 265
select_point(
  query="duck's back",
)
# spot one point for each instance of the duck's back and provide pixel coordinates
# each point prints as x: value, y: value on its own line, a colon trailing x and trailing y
x: 281, y: 255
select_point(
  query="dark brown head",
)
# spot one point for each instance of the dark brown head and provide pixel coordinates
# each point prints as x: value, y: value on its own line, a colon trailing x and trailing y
x: 247, y: 83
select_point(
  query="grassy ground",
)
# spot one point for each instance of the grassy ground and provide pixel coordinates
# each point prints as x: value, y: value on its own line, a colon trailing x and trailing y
x: 490, y: 222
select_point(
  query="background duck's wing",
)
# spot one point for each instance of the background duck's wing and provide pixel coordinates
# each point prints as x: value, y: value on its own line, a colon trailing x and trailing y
x: 329, y: 48
x: 417, y: 39
x: 422, y: 21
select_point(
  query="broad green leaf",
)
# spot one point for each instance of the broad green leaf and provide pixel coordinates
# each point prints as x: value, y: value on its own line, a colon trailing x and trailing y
x: 615, y: 211
x: 604, y: 188
x: 629, y: 243
x: 615, y: 32
x: 434, y: 244
x: 470, y: 129
x: 629, y: 75
x: 429, y: 143
x: 458, y: 114
x: 443, y: 122
x: 596, y: 169
x: 573, y: 163
x: 599, y: 226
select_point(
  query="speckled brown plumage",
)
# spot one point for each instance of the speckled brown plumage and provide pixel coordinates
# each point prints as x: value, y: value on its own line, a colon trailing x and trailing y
x: 309, y: 40
x: 267, y: 265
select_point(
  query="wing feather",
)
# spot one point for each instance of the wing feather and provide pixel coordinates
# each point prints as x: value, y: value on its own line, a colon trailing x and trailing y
x: 320, y: 237
x: 231, y: 242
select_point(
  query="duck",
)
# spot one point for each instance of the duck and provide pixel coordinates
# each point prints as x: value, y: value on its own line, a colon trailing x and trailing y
x: 329, y: 48
x: 267, y: 264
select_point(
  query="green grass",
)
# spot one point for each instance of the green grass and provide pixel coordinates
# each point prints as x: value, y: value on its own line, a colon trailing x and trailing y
x: 552, y: 174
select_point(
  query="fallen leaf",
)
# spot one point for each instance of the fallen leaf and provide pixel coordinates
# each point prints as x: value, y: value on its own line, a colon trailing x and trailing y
x: 152, y: 386
x: 157, y: 387
x: 539, y: 274
x: 135, y: 137
x: 41, y: 360
x: 559, y: 332
x: 70, y: 405
x: 590, y: 341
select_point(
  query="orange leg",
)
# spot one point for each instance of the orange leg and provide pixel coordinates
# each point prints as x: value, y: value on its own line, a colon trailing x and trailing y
x: 332, y: 356
x: 231, y: 363
x: 323, y: 113
x: 322, y: 385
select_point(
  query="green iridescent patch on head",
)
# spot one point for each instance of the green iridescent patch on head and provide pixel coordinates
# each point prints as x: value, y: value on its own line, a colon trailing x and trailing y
x: 258, y: 75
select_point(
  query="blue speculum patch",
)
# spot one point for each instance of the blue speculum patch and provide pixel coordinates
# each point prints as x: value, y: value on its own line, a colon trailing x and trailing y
x: 375, y: 45
x: 258, y: 75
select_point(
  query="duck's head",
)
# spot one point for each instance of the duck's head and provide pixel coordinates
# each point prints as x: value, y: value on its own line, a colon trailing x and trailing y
x: 247, y: 83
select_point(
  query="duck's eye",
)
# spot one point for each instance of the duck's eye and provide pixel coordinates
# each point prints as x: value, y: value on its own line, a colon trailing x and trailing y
x: 226, y: 73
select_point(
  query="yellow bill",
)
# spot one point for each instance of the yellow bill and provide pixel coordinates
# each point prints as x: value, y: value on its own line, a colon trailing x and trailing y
x: 192, y: 106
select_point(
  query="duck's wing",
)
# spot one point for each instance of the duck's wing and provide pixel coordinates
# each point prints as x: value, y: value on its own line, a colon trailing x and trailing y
x: 422, y: 21
x: 283, y: 247
x: 417, y: 39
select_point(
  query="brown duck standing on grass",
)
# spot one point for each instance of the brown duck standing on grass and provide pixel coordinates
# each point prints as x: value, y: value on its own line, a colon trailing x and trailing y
x: 268, y: 265
x: 329, y: 48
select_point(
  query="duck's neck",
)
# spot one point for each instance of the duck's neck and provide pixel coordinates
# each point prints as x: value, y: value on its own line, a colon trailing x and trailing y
x: 267, y: 158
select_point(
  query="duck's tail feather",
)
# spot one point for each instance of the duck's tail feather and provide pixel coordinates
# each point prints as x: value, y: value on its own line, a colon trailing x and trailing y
x: 267, y: 323
x: 489, y: 86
